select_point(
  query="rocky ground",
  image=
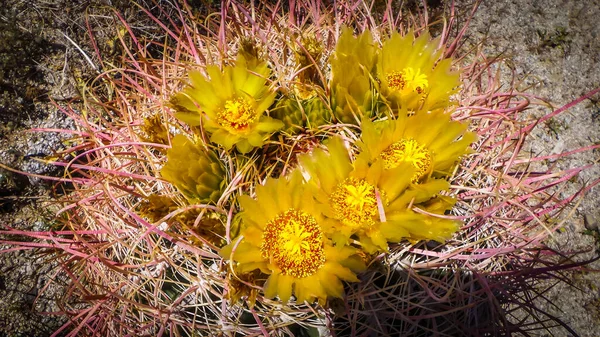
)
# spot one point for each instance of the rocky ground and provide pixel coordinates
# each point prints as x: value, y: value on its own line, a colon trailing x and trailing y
x: 554, y: 48
x: 39, y: 72
x: 32, y: 69
x: 552, y: 45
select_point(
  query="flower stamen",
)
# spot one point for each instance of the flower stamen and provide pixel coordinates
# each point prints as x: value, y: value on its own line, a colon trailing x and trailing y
x: 408, y: 151
x: 408, y: 78
x: 354, y: 203
x: 293, y: 241
x: 415, y: 79
x: 237, y: 115
x: 395, y: 80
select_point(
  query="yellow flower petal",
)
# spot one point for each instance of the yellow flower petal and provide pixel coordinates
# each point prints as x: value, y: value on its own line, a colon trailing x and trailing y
x: 190, y: 118
x: 263, y: 105
x: 268, y: 124
x: 222, y: 137
x: 251, y: 266
x: 266, y: 197
x: 396, y: 180
x: 253, y: 211
x: 271, y: 286
x: 256, y: 140
x: 342, y: 273
x: 393, y: 230
x: 243, y: 146
x: 246, y: 252
x: 302, y: 294
x: 331, y: 285
x: 284, y: 287
x: 253, y: 234
x: 423, y: 227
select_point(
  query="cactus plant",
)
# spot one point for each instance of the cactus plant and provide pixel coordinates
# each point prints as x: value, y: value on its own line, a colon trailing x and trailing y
x: 387, y: 206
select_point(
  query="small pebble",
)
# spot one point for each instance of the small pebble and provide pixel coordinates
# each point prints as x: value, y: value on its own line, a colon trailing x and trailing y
x: 590, y: 223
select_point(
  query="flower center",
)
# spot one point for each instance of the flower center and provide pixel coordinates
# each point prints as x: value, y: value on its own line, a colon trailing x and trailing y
x: 294, y: 242
x: 354, y: 203
x: 410, y: 151
x: 237, y: 114
x: 408, y: 78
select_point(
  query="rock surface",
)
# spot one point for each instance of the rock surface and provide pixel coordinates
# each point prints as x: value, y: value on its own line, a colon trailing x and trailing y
x: 554, y: 48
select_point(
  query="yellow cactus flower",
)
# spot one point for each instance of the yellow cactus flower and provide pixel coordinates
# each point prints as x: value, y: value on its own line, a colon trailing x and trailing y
x: 431, y: 144
x: 413, y: 74
x: 230, y: 104
x: 284, y: 238
x: 355, y: 197
x: 430, y: 141
x: 196, y: 171
x: 352, y: 65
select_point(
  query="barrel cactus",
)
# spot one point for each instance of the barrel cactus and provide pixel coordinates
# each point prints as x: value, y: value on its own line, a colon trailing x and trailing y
x: 308, y: 176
